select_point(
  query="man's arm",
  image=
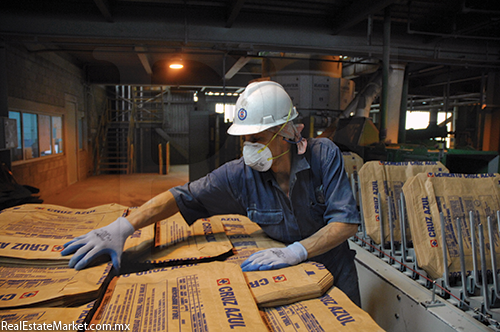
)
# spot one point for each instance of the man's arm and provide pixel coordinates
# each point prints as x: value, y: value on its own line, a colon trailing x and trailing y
x: 157, y: 208
x: 328, y: 238
x: 110, y: 239
x: 320, y: 242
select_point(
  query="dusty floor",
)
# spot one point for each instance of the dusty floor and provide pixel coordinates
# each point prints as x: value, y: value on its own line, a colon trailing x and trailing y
x: 128, y: 190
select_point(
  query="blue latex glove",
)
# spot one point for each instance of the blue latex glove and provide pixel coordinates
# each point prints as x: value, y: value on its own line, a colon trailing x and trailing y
x: 275, y: 258
x: 106, y: 240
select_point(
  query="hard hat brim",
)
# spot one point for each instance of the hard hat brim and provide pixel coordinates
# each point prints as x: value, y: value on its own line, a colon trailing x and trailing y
x: 237, y: 129
x: 240, y: 130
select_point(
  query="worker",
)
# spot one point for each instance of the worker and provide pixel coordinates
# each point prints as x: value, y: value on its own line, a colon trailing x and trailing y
x: 295, y: 189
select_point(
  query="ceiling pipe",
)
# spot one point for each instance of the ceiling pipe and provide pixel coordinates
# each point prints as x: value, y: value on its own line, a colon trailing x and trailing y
x: 466, y: 10
x: 443, y: 35
x: 385, y: 74
x: 403, y: 108
x: 474, y: 95
x: 395, y: 95
x: 439, y: 107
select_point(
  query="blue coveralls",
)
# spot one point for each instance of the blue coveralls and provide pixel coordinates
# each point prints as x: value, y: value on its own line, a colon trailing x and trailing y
x: 314, y: 201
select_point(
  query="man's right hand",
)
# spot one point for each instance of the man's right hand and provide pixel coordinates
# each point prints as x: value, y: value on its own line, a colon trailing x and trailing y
x: 106, y: 240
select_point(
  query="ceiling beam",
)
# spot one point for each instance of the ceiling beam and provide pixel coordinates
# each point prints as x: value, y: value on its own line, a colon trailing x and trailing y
x: 234, y: 11
x: 409, y: 48
x: 237, y: 67
x: 105, y: 9
x: 142, y: 53
x: 357, y: 12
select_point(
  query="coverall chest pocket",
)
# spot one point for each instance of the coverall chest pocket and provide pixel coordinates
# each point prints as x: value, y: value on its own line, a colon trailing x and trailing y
x: 317, y: 205
x: 265, y: 217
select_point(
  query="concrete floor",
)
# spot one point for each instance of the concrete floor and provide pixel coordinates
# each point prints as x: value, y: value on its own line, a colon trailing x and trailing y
x: 128, y: 190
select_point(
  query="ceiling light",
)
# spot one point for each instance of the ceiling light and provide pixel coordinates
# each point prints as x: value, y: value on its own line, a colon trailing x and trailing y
x: 176, y: 63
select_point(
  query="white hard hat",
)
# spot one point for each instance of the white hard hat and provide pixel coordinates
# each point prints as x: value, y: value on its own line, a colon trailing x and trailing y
x: 261, y: 106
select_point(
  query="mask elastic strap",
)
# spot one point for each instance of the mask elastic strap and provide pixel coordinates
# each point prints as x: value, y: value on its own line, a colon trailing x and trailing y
x: 276, y: 134
x: 292, y: 142
x: 279, y: 155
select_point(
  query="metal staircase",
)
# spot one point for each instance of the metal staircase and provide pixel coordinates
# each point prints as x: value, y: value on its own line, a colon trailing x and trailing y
x: 131, y: 108
x: 114, y: 156
x: 149, y: 104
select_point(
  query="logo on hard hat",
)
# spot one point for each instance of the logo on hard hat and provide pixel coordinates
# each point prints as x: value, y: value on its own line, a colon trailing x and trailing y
x: 242, y: 114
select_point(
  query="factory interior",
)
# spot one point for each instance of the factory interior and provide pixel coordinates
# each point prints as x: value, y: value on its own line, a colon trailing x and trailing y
x: 93, y: 112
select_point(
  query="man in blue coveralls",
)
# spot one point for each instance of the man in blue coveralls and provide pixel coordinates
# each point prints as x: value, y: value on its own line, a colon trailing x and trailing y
x: 295, y: 189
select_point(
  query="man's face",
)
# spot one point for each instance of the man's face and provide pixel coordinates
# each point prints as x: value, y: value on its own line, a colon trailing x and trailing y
x: 277, y: 146
x: 262, y: 137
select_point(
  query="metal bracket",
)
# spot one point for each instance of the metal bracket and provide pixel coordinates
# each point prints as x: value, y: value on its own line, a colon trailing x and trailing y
x: 433, y: 302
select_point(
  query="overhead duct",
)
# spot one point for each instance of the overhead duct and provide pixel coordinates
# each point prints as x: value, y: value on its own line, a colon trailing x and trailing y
x: 360, y: 105
x: 364, y: 67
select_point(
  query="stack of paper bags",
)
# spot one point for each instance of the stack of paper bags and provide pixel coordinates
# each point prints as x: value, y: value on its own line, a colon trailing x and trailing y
x: 176, y: 241
x: 387, y: 179
x: 34, y: 234
x: 246, y: 237
x: 332, y: 312
x: 205, y: 297
x: 454, y: 195
x: 51, y: 286
x: 46, y: 319
x: 288, y: 285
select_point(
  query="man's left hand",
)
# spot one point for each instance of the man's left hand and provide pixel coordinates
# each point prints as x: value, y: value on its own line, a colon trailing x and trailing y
x: 275, y: 258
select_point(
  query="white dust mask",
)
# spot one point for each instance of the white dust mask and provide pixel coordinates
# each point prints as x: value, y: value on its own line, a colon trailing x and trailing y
x: 258, y: 156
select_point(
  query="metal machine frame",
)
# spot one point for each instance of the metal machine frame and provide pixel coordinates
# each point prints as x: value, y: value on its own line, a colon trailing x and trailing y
x: 401, y: 297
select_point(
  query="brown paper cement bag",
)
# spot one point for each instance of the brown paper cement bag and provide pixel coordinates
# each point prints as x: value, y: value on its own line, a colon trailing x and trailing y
x: 352, y: 163
x: 246, y: 237
x: 288, y: 285
x: 50, y: 286
x: 387, y: 179
x: 177, y: 241
x: 332, y: 312
x: 454, y: 195
x: 36, y: 233
x: 46, y: 319
x: 140, y: 242
x: 205, y: 297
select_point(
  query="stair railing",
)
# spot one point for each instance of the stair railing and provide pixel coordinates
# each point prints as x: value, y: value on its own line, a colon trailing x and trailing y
x: 100, y: 139
x: 130, y: 138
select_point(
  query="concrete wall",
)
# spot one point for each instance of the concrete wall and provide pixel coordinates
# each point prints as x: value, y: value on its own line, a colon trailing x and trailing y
x: 44, y: 82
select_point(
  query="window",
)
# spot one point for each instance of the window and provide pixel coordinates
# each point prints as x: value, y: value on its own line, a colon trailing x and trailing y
x: 17, y: 152
x: 417, y: 120
x: 30, y: 135
x: 57, y: 134
x: 227, y: 109
x: 45, y: 142
x: 38, y: 135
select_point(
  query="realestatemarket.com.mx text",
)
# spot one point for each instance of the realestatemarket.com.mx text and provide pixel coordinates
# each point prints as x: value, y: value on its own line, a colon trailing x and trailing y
x: 58, y: 326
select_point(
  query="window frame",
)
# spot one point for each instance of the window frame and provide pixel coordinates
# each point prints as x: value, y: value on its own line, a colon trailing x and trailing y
x: 21, y: 144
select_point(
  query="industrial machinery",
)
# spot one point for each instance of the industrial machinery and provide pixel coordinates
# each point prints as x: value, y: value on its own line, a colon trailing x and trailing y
x: 400, y: 295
